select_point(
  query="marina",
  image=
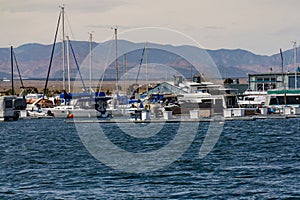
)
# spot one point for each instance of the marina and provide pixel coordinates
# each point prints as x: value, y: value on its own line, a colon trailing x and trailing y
x: 178, y: 100
x: 149, y: 100
x: 139, y: 95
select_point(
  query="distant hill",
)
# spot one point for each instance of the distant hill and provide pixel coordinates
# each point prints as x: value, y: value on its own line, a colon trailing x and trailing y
x: 34, y: 59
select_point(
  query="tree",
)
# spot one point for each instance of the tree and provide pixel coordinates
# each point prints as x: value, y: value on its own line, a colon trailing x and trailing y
x: 228, y: 81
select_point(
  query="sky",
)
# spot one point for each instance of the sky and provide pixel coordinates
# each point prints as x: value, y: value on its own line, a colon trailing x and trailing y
x: 259, y: 26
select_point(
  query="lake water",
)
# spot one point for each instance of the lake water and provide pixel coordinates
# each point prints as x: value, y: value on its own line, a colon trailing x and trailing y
x: 45, y: 159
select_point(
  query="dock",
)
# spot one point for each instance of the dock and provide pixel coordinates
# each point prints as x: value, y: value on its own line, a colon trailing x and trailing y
x: 181, y: 120
x: 175, y: 120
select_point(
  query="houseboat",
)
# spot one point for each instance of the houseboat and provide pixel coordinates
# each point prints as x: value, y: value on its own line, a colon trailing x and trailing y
x: 11, y: 107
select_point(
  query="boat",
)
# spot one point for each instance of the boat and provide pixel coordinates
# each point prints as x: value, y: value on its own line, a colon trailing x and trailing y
x: 40, y: 107
x: 184, y: 97
x: 11, y: 107
x: 274, y: 92
x: 83, y: 105
x: 283, y: 101
x: 252, y: 99
x: 253, y: 102
x: 67, y: 104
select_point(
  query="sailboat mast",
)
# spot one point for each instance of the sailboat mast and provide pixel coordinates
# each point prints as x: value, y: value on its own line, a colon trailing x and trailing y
x: 52, y: 53
x: 295, y: 60
x: 91, y: 40
x: 146, y: 49
x: 63, y: 46
x: 117, y: 66
x: 124, y: 70
x: 68, y: 63
x: 283, y: 82
x: 12, y: 71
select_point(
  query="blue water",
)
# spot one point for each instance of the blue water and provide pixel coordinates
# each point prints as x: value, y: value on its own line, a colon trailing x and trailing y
x: 45, y: 159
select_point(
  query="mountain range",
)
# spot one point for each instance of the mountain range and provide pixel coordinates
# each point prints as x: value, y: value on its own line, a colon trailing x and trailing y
x: 33, y: 60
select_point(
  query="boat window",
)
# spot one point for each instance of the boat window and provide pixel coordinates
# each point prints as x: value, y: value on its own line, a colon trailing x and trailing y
x: 8, y: 104
x: 249, y: 98
x: 231, y: 102
x: 273, y: 101
x: 293, y: 100
x: 290, y: 100
x: 259, y: 87
x: 206, y: 101
x: 266, y: 86
x: 280, y: 100
x: 273, y: 86
x: 240, y: 98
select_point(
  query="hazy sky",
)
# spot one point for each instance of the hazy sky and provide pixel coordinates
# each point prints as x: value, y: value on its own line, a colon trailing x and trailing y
x: 261, y: 26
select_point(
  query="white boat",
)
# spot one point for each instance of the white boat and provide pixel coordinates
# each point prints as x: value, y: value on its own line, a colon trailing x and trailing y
x: 282, y: 101
x: 182, y: 96
x: 73, y: 112
x: 10, y: 107
x: 285, y: 100
x: 61, y: 111
x: 84, y: 107
x: 39, y: 108
x: 252, y: 99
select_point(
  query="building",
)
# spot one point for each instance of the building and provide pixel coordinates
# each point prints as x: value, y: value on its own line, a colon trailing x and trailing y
x: 267, y: 81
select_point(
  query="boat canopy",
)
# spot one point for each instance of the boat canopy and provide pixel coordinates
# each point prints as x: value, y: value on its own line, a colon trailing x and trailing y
x: 65, y: 95
x: 284, y: 92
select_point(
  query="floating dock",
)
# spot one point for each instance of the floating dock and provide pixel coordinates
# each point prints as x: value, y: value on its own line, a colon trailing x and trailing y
x: 181, y: 120
x: 137, y: 121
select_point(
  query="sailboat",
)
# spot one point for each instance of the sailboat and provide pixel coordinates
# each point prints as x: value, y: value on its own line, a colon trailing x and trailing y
x: 78, y: 105
x: 123, y: 105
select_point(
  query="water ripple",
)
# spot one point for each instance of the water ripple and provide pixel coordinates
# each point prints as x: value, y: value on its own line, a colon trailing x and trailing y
x: 45, y: 159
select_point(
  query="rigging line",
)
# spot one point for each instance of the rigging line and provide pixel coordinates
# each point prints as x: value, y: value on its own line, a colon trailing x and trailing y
x: 69, y: 26
x: 52, y: 53
x: 76, y: 62
x: 141, y: 61
x: 14, y: 55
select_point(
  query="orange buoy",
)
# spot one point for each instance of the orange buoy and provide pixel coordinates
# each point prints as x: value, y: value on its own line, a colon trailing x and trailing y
x: 70, y: 115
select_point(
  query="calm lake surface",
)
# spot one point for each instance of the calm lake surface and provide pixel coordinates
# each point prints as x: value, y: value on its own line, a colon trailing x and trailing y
x: 45, y: 159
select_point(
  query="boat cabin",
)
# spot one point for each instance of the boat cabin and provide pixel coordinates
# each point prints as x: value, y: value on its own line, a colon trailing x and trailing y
x: 10, y: 107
